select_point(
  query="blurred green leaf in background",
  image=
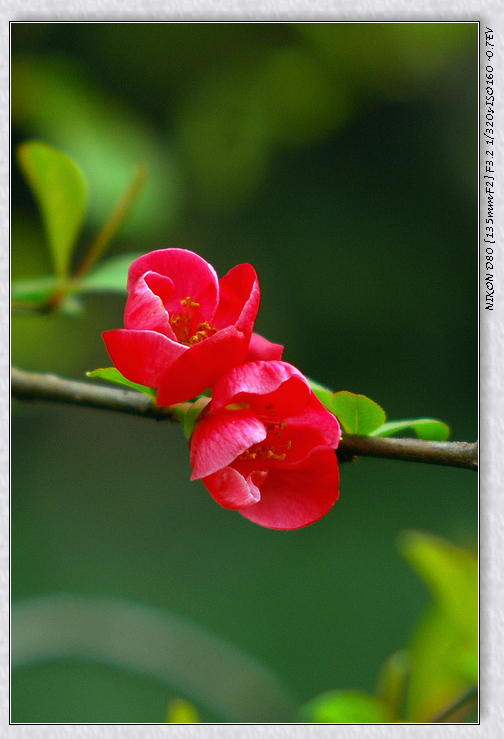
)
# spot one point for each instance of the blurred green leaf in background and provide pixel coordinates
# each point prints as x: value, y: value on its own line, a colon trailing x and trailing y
x: 61, y: 192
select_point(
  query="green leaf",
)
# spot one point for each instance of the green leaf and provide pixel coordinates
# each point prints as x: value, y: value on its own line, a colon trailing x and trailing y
x: 356, y: 413
x: 346, y: 707
x: 111, y: 374
x: 109, y: 276
x: 60, y: 190
x: 180, y: 711
x: 425, y: 428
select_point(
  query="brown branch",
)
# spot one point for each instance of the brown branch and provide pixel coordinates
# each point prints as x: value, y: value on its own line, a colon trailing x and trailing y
x: 448, y: 453
x: 30, y: 386
x: 34, y: 386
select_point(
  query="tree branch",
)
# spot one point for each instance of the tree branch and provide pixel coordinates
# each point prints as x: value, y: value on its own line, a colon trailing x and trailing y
x: 30, y: 386
x: 448, y: 453
x: 35, y: 386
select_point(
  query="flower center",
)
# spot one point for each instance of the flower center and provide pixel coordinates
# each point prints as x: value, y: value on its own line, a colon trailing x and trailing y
x: 187, y: 331
x: 273, y: 447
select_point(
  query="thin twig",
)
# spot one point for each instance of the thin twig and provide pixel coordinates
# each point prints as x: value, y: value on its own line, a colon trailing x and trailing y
x: 114, y: 222
x: 30, y: 386
x: 467, y: 700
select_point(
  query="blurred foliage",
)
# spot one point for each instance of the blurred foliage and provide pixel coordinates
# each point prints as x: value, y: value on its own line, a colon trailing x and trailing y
x: 445, y: 644
x: 346, y: 707
x: 180, y: 711
x: 237, y: 92
x: 441, y: 665
x: 341, y: 160
x: 61, y: 192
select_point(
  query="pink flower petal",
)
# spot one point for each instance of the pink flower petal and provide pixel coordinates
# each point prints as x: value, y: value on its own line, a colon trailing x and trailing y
x: 320, y: 428
x: 228, y: 488
x: 218, y: 440
x: 239, y: 297
x: 201, y: 366
x: 296, y: 497
x: 273, y: 389
x: 145, y: 307
x: 142, y: 356
x: 261, y: 348
x: 191, y: 275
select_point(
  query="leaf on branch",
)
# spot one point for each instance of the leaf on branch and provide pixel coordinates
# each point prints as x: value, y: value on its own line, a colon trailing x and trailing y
x: 356, y: 413
x: 360, y: 415
x: 111, y: 374
x: 428, y: 429
x: 60, y: 190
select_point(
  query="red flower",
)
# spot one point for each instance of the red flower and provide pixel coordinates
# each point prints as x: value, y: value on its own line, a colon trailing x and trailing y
x: 265, y: 446
x: 184, y: 326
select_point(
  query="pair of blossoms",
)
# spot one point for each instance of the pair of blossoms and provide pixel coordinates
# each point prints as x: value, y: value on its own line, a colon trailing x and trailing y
x: 264, y: 444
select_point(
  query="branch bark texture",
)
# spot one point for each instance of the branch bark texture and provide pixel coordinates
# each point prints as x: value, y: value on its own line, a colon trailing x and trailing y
x: 30, y: 386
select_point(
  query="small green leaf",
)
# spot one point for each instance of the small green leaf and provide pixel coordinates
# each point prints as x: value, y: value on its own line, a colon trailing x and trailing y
x: 425, y: 428
x: 111, y: 374
x: 356, y: 413
x: 180, y: 711
x: 109, y: 276
x: 346, y: 707
x: 61, y: 193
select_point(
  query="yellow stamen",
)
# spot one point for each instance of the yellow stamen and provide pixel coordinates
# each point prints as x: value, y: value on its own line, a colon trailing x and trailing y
x: 189, y: 302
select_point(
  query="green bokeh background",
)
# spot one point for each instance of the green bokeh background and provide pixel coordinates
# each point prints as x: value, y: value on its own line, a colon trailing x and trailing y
x: 341, y: 161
